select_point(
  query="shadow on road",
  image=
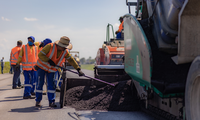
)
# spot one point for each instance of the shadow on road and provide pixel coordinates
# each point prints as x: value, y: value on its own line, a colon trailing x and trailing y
x: 15, y: 97
x: 4, y: 89
x: 26, y: 110
x: 11, y: 100
x: 33, y: 109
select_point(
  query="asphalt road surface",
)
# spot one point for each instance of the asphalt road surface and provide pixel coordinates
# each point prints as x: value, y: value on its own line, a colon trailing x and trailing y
x: 14, y: 107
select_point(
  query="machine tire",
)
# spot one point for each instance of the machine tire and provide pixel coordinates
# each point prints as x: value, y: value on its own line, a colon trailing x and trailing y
x: 192, y: 91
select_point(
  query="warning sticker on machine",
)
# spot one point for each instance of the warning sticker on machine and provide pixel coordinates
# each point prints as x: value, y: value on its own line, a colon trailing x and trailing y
x: 128, y: 44
x: 120, y: 49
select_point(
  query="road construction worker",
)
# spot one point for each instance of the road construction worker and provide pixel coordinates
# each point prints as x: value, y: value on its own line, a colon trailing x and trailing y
x: 28, y: 57
x: 2, y: 65
x: 42, y: 44
x: 13, y: 61
x: 119, y: 31
x: 51, y: 55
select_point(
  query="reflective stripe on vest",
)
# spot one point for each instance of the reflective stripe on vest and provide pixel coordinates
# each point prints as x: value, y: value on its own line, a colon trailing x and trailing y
x: 14, y: 55
x: 38, y: 63
x: 28, y: 63
x: 53, y: 56
x: 61, y: 58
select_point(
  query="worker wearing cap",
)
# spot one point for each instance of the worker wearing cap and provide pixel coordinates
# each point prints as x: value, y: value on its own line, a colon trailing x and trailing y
x: 44, y: 43
x: 28, y: 57
x: 13, y: 61
x: 51, y: 55
x: 118, y: 32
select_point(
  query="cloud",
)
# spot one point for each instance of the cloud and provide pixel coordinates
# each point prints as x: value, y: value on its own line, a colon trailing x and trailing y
x: 30, y: 19
x: 116, y: 26
x: 5, y: 19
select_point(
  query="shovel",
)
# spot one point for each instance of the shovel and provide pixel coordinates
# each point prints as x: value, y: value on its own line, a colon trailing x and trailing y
x: 87, y: 76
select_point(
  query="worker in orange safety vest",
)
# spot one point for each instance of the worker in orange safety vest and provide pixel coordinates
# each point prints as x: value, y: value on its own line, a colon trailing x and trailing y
x: 51, y: 55
x: 28, y: 57
x: 13, y: 60
x: 119, y: 31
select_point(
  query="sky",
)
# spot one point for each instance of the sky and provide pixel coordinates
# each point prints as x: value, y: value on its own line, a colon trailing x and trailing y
x: 83, y: 21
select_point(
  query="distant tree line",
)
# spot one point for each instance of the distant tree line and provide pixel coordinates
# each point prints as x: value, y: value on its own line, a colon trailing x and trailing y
x: 87, y: 61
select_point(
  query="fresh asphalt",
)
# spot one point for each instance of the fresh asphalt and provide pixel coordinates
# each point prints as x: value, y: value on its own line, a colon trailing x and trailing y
x: 14, y: 107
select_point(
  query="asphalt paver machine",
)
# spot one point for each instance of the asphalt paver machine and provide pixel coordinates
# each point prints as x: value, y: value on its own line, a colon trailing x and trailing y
x: 162, y: 48
x: 109, y: 63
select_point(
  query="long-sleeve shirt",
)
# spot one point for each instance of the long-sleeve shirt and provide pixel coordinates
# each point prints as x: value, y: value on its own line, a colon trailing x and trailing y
x: 46, y: 50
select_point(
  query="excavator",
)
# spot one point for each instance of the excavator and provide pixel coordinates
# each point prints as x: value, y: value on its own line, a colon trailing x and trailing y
x: 162, y: 48
x: 109, y: 63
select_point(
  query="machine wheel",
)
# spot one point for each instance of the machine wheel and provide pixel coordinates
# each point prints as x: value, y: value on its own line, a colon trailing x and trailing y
x: 192, y: 92
x: 62, y: 93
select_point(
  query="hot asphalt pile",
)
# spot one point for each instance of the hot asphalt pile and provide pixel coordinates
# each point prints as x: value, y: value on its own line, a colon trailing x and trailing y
x: 119, y: 98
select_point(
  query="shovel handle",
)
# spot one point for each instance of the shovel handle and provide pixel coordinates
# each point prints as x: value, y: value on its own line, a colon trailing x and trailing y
x: 86, y: 76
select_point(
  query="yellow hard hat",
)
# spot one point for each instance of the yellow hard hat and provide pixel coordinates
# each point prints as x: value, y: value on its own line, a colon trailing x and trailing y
x: 37, y: 44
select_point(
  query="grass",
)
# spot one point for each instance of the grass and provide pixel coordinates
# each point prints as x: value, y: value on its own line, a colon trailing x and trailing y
x: 87, y: 66
x: 6, y: 68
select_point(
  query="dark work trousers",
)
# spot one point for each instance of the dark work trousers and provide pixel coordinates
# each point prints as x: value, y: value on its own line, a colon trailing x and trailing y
x: 16, y: 77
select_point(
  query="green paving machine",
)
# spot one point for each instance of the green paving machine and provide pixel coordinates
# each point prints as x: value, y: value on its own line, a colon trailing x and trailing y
x: 162, y: 48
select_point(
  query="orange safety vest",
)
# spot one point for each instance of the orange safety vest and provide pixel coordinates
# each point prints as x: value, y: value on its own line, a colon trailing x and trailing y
x: 121, y: 26
x: 29, y: 57
x: 53, y: 56
x: 14, y: 55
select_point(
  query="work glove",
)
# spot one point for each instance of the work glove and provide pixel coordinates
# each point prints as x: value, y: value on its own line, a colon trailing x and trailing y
x: 60, y: 71
x: 80, y: 73
x: 36, y: 67
x: 41, y: 45
x: 51, y: 62
x: 17, y: 67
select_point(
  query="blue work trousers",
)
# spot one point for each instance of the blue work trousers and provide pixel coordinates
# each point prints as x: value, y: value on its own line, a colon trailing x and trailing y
x: 28, y: 82
x: 16, y: 77
x: 51, y: 92
x: 11, y: 69
x: 33, y: 82
x: 56, y: 79
x: 119, y: 35
x: 1, y: 69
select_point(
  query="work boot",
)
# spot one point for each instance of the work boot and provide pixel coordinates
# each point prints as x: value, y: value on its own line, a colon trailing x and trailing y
x: 28, y: 97
x: 32, y: 93
x: 57, y: 89
x: 16, y: 87
x: 52, y: 104
x: 38, y: 104
x: 44, y: 92
x: 21, y: 86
